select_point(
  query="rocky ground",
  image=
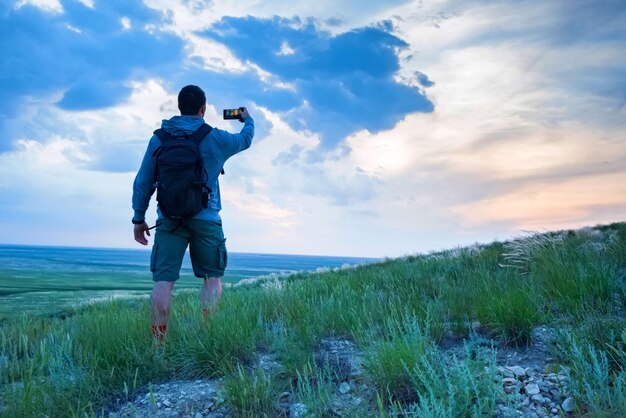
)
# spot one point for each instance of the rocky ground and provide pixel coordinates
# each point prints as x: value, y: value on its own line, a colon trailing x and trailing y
x: 530, y: 374
x: 535, y: 385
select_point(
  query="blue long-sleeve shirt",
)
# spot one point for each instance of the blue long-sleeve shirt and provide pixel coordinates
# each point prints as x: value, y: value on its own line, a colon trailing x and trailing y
x: 216, y: 148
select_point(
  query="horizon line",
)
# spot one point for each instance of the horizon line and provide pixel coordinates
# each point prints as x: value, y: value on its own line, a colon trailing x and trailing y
x: 5, y: 244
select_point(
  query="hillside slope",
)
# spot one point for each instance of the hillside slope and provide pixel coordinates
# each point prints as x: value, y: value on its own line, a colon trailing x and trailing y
x: 534, y: 325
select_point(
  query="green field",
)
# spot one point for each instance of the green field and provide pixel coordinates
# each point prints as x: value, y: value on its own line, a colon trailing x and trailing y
x: 400, y: 313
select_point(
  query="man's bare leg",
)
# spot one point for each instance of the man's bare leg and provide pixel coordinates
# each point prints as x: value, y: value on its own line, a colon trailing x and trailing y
x: 160, y: 308
x: 210, y: 294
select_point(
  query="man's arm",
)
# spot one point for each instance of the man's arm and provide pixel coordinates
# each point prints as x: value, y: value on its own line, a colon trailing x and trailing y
x: 143, y: 188
x: 231, y: 144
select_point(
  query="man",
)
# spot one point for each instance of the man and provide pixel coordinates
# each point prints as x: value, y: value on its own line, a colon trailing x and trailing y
x: 203, y: 232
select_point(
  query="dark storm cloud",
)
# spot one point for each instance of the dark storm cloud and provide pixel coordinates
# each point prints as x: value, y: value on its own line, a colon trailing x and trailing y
x: 346, y: 80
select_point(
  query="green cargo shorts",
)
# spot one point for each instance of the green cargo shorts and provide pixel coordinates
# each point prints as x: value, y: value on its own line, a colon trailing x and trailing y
x: 207, y: 249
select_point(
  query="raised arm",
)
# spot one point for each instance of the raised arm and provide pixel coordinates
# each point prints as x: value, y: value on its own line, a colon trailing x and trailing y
x: 231, y: 144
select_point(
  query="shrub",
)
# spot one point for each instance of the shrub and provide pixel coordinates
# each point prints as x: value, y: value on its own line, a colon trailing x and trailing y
x: 600, y: 391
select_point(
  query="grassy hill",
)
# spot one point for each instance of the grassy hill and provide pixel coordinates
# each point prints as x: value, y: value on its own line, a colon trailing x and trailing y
x: 429, y: 333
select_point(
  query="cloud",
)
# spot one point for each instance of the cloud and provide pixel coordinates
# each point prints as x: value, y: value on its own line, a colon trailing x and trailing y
x: 290, y: 155
x: 42, y: 187
x: 52, y: 6
x: 563, y: 203
x: 81, y: 53
x: 92, y: 92
x: 331, y: 14
x: 340, y: 83
x: 274, y: 167
x: 112, y: 139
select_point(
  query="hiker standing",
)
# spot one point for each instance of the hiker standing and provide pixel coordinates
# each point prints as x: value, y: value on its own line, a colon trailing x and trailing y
x: 182, y: 163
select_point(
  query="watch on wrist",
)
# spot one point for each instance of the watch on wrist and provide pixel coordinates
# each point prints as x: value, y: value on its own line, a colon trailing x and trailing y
x: 135, y: 222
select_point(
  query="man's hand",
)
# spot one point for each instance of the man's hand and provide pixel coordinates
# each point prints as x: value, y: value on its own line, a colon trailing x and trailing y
x: 140, y: 231
x: 244, y: 114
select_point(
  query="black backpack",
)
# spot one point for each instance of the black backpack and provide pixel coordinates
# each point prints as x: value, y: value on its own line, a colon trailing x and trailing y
x: 179, y: 175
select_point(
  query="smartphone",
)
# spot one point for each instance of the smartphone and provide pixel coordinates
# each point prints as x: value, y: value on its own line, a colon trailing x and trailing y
x: 232, y: 113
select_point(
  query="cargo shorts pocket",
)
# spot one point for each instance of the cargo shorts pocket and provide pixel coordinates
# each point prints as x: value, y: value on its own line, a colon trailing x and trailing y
x: 223, y: 255
x: 153, y: 257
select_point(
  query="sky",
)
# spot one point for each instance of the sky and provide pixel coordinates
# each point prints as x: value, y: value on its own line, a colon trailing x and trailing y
x: 383, y: 128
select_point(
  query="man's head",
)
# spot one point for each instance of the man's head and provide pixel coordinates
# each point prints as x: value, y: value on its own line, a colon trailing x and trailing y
x: 191, y: 100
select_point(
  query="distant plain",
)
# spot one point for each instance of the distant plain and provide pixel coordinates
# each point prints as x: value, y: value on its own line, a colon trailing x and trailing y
x: 46, y: 280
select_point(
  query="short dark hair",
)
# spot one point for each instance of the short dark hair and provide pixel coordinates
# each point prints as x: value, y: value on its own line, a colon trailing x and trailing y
x: 190, y: 99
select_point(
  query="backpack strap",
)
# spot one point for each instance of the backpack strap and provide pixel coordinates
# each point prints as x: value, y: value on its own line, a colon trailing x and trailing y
x: 163, y: 135
x: 201, y: 133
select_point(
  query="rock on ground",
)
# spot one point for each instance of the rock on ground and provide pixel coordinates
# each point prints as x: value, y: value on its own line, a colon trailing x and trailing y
x: 184, y: 399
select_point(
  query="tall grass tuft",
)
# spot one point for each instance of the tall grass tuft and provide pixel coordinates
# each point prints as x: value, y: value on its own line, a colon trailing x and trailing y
x: 314, y: 388
x: 511, y: 311
x: 386, y: 361
x: 252, y: 394
x: 573, y: 272
x: 207, y: 348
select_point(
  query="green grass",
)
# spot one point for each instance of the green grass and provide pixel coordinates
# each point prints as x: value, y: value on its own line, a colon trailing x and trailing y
x: 396, y: 311
x: 462, y: 388
x: 314, y: 388
x: 252, y: 394
x: 403, y: 343
x: 601, y: 390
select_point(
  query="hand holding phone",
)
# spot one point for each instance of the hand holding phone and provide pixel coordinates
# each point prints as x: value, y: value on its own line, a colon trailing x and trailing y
x: 240, y: 114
